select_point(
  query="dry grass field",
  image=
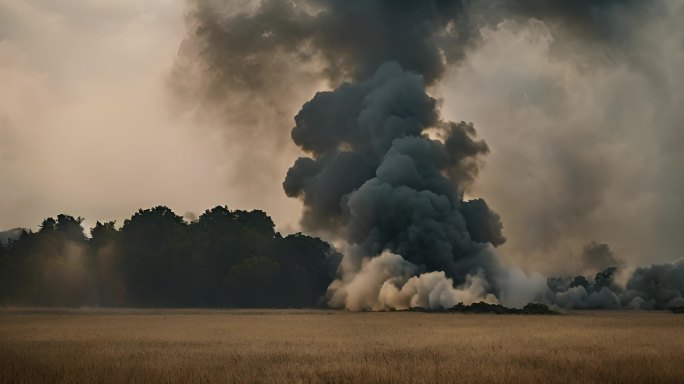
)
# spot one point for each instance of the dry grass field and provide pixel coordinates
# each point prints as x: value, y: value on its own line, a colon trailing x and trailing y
x: 272, y: 346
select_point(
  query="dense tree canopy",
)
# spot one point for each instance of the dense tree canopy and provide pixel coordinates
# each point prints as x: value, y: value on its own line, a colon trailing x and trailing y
x: 157, y: 259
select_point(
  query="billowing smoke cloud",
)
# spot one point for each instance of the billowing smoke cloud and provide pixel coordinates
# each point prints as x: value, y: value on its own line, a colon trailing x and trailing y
x: 389, y: 282
x: 377, y: 180
x: 659, y: 286
x: 254, y: 44
x: 249, y: 44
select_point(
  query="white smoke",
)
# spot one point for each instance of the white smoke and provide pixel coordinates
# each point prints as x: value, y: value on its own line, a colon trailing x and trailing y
x: 389, y: 282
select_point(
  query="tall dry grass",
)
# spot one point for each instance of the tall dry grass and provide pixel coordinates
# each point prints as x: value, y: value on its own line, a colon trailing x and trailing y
x: 338, y: 347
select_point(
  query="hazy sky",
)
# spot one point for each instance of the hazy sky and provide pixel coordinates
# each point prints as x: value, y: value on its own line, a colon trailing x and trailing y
x: 86, y: 124
x: 586, y: 138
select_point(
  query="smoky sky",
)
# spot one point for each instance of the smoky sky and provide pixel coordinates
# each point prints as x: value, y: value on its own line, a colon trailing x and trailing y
x: 582, y: 135
x: 110, y: 107
x: 371, y: 175
x: 88, y: 125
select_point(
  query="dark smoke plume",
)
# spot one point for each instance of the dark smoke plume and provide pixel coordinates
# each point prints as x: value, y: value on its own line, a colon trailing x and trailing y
x: 250, y: 45
x: 659, y: 286
x: 350, y: 39
x: 376, y: 178
x: 656, y: 287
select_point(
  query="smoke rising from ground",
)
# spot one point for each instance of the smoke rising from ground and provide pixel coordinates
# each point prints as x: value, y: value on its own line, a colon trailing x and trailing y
x: 376, y: 180
x: 387, y: 176
x: 659, y: 286
x: 388, y: 282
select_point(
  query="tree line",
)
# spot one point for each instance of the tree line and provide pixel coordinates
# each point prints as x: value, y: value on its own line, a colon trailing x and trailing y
x: 158, y: 259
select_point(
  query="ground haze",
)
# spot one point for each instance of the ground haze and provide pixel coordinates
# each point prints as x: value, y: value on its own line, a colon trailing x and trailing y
x: 271, y: 346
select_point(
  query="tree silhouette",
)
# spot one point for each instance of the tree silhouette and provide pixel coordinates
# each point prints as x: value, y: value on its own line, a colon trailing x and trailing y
x: 156, y: 259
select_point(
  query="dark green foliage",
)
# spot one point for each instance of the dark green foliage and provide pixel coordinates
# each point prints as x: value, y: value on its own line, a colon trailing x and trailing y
x: 498, y: 309
x: 538, y: 309
x: 482, y: 307
x: 223, y: 259
x: 678, y: 310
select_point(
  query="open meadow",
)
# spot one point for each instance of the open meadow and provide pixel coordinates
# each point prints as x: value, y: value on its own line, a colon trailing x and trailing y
x: 278, y: 346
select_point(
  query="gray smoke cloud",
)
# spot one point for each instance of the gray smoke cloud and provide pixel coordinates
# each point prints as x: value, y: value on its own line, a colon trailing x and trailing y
x: 391, y: 179
x: 656, y: 287
x: 254, y: 44
x: 377, y: 180
x: 242, y: 43
x: 12, y: 234
x: 659, y: 286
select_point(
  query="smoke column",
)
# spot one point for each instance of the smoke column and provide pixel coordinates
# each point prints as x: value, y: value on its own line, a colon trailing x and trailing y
x: 379, y: 181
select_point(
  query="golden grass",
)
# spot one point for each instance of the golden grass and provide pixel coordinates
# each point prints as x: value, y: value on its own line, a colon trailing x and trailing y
x: 273, y: 346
